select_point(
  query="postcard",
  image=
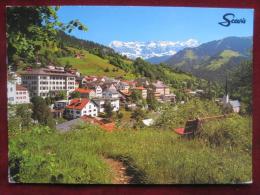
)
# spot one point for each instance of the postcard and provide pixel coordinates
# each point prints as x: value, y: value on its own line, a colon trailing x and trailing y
x: 129, y: 94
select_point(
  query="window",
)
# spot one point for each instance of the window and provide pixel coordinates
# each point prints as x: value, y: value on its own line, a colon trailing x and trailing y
x: 78, y: 112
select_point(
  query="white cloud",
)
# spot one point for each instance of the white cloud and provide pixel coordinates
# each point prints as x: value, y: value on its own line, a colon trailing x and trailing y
x: 134, y: 49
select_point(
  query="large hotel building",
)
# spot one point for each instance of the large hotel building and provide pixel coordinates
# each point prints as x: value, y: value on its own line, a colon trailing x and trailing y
x: 45, y: 82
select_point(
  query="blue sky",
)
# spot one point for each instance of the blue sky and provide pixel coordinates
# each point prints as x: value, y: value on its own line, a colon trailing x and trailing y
x: 109, y: 23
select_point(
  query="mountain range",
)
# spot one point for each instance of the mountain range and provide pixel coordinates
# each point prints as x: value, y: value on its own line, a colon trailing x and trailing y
x: 213, y: 60
x: 151, y: 49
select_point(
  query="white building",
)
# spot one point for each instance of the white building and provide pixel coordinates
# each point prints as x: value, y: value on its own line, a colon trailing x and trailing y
x: 17, y: 94
x: 98, y: 91
x: 234, y: 104
x: 44, y: 82
x: 100, y: 102
x: 110, y: 93
x: 11, y: 92
x: 96, y: 88
x: 79, y: 107
x: 61, y: 104
x: 22, y: 95
x: 123, y: 86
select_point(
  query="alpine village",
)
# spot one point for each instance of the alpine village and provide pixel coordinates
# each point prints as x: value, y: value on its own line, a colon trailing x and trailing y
x: 79, y: 112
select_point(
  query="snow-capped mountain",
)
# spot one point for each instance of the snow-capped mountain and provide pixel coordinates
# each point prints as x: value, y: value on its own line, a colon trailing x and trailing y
x: 150, y: 49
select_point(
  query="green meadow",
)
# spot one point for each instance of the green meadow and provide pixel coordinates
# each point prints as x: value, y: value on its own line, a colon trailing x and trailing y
x: 219, y: 153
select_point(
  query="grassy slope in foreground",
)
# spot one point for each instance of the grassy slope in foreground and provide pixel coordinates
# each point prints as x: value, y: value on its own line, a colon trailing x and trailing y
x: 160, y: 156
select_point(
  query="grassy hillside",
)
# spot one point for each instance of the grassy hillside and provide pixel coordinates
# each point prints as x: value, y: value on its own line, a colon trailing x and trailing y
x: 159, y: 157
x: 222, y: 59
x: 219, y: 153
x: 91, y: 64
x: 210, y: 60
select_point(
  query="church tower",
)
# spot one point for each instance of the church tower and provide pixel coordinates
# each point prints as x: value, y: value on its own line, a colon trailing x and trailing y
x: 225, y: 98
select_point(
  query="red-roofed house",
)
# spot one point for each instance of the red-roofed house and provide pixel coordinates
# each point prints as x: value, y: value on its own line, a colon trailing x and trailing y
x: 86, y: 93
x: 79, y: 107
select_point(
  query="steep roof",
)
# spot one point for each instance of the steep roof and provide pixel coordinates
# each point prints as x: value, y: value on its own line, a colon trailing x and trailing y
x: 20, y: 88
x: 46, y: 71
x: 113, y: 91
x: 159, y: 84
x: 78, y: 103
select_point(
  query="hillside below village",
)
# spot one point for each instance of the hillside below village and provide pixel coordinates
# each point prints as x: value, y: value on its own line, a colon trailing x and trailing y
x: 79, y: 112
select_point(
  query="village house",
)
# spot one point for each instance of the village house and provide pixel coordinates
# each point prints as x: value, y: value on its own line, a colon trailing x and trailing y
x: 60, y: 104
x: 11, y: 92
x: 98, y: 90
x: 142, y: 82
x: 169, y: 98
x: 123, y: 86
x: 17, y: 94
x: 100, y: 102
x: 44, y: 82
x: 130, y: 83
x: 22, y: 95
x: 95, y: 87
x: 86, y: 93
x: 162, y: 92
x: 142, y: 90
x: 110, y: 93
x: 159, y: 88
x: 79, y: 107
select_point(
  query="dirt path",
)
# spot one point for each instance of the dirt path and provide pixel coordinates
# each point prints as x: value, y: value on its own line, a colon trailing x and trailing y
x: 119, y: 171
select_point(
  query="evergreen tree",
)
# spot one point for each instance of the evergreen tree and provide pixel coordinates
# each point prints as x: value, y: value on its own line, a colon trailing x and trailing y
x: 24, y: 111
x: 41, y: 111
x: 151, y: 101
x: 108, y: 109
